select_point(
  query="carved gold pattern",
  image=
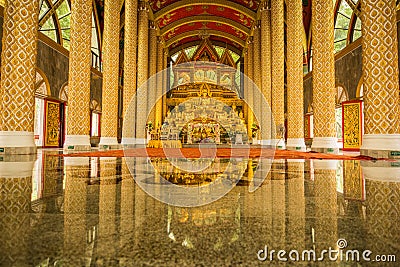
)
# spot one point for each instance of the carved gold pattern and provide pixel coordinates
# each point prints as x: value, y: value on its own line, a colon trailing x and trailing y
x: 266, y: 69
x: 152, y: 71
x: 323, y: 69
x: 352, y: 127
x: 160, y: 67
x: 380, y: 66
x: 256, y: 71
x: 79, y: 68
x: 278, y: 62
x: 295, y: 69
x: 130, y: 60
x: 109, y: 118
x: 18, y: 58
x: 143, y: 67
x: 249, y: 88
x: 52, y: 124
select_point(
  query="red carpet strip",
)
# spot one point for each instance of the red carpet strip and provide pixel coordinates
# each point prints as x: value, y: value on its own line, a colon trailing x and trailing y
x: 220, y: 153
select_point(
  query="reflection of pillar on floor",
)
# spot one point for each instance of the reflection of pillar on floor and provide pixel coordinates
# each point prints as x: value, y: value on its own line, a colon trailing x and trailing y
x: 295, y: 110
x: 127, y: 211
x: 323, y: 78
x: 143, y: 68
x: 77, y: 176
x: 326, y: 225
x: 140, y: 212
x: 278, y: 203
x: 106, y: 249
x: 17, y: 95
x: 296, y: 204
x: 110, y: 46
x: 381, y: 84
x: 383, y: 213
x: 278, y: 70
x: 15, y: 209
x: 266, y: 70
x: 130, y: 60
x: 78, y: 127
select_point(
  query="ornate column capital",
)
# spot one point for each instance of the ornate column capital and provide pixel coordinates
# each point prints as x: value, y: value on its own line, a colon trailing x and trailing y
x: 152, y: 25
x: 143, y: 6
x: 264, y: 6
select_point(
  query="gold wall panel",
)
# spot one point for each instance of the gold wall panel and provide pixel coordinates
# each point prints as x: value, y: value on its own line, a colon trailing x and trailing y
x: 352, y: 125
x: 52, y: 130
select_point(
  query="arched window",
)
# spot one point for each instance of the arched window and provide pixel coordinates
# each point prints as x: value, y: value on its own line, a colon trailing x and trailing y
x: 347, y: 22
x: 55, y: 23
x: 42, y: 87
x: 64, y: 93
x: 95, y: 120
x: 341, y: 95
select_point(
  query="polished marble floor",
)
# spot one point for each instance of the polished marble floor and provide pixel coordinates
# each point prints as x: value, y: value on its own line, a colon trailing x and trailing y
x: 92, y: 212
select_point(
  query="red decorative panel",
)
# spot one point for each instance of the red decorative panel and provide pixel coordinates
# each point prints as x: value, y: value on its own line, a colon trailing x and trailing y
x: 197, y: 10
x: 156, y: 5
x: 197, y: 38
x: 196, y: 26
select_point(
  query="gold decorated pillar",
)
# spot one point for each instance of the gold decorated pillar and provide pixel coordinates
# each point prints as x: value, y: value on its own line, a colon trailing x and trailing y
x: 266, y: 71
x: 249, y: 88
x: 143, y: 72
x: 17, y: 92
x: 278, y: 71
x: 153, y: 52
x: 257, y: 74
x: 245, y: 83
x: 130, y: 60
x: 165, y: 84
x: 78, y: 127
x: 323, y: 77
x: 381, y: 78
x: 295, y: 110
x: 109, y: 117
x: 159, y: 94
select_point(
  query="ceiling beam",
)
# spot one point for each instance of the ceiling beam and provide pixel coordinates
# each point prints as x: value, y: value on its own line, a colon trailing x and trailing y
x: 229, y: 4
x: 210, y: 32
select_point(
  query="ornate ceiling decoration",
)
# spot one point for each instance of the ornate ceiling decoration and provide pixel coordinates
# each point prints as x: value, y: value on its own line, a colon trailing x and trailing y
x: 186, y: 21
